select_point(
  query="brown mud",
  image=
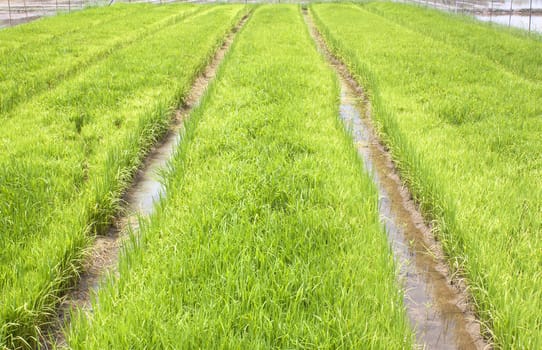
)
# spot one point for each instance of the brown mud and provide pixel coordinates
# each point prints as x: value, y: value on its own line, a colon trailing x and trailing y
x: 437, y: 302
x: 138, y: 201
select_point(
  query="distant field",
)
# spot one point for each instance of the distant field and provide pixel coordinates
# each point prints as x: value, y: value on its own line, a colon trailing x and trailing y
x: 463, y: 120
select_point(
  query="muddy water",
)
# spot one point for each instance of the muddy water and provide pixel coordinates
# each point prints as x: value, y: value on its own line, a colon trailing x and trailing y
x: 437, y: 310
x: 511, y: 13
x: 139, y: 202
x: 436, y: 304
x: 149, y: 187
x: 523, y: 6
x: 517, y: 21
x: 515, y: 5
x: 523, y: 14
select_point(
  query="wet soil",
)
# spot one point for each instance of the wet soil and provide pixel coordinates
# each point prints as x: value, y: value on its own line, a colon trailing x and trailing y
x: 437, y: 302
x: 138, y: 202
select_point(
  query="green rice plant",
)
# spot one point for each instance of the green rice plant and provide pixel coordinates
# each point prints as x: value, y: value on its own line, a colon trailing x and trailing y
x: 39, y: 55
x: 70, y: 152
x: 465, y: 134
x: 514, y: 50
x: 269, y: 236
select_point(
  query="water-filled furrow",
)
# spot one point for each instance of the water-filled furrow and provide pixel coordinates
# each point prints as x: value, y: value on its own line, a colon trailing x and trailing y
x: 437, y: 304
x: 139, y: 202
x: 437, y: 311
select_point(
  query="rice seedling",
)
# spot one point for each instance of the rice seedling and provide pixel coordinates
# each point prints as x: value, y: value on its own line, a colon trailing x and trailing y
x: 68, y: 154
x: 514, y: 50
x: 38, y: 56
x: 464, y: 131
x: 269, y: 236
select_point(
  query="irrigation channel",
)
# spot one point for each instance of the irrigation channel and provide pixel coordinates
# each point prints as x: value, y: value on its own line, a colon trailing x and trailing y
x: 437, y: 304
x: 138, y: 203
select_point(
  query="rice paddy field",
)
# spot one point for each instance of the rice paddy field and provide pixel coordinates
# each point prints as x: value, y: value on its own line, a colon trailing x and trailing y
x: 88, y: 134
x: 269, y: 232
x: 464, y: 127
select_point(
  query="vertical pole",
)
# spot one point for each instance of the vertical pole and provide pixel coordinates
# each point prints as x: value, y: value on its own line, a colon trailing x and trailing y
x: 510, y: 14
x: 69, y: 5
x: 491, y: 12
x: 9, y: 11
x: 530, y: 14
x: 25, y: 9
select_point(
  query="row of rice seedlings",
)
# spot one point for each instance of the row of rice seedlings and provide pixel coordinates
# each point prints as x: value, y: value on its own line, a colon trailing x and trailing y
x: 269, y: 236
x: 465, y: 134
x: 39, y: 55
x: 69, y: 154
x: 515, y: 50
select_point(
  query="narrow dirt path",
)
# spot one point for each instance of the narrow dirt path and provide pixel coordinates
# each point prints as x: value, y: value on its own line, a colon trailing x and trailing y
x: 436, y: 302
x: 138, y: 201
